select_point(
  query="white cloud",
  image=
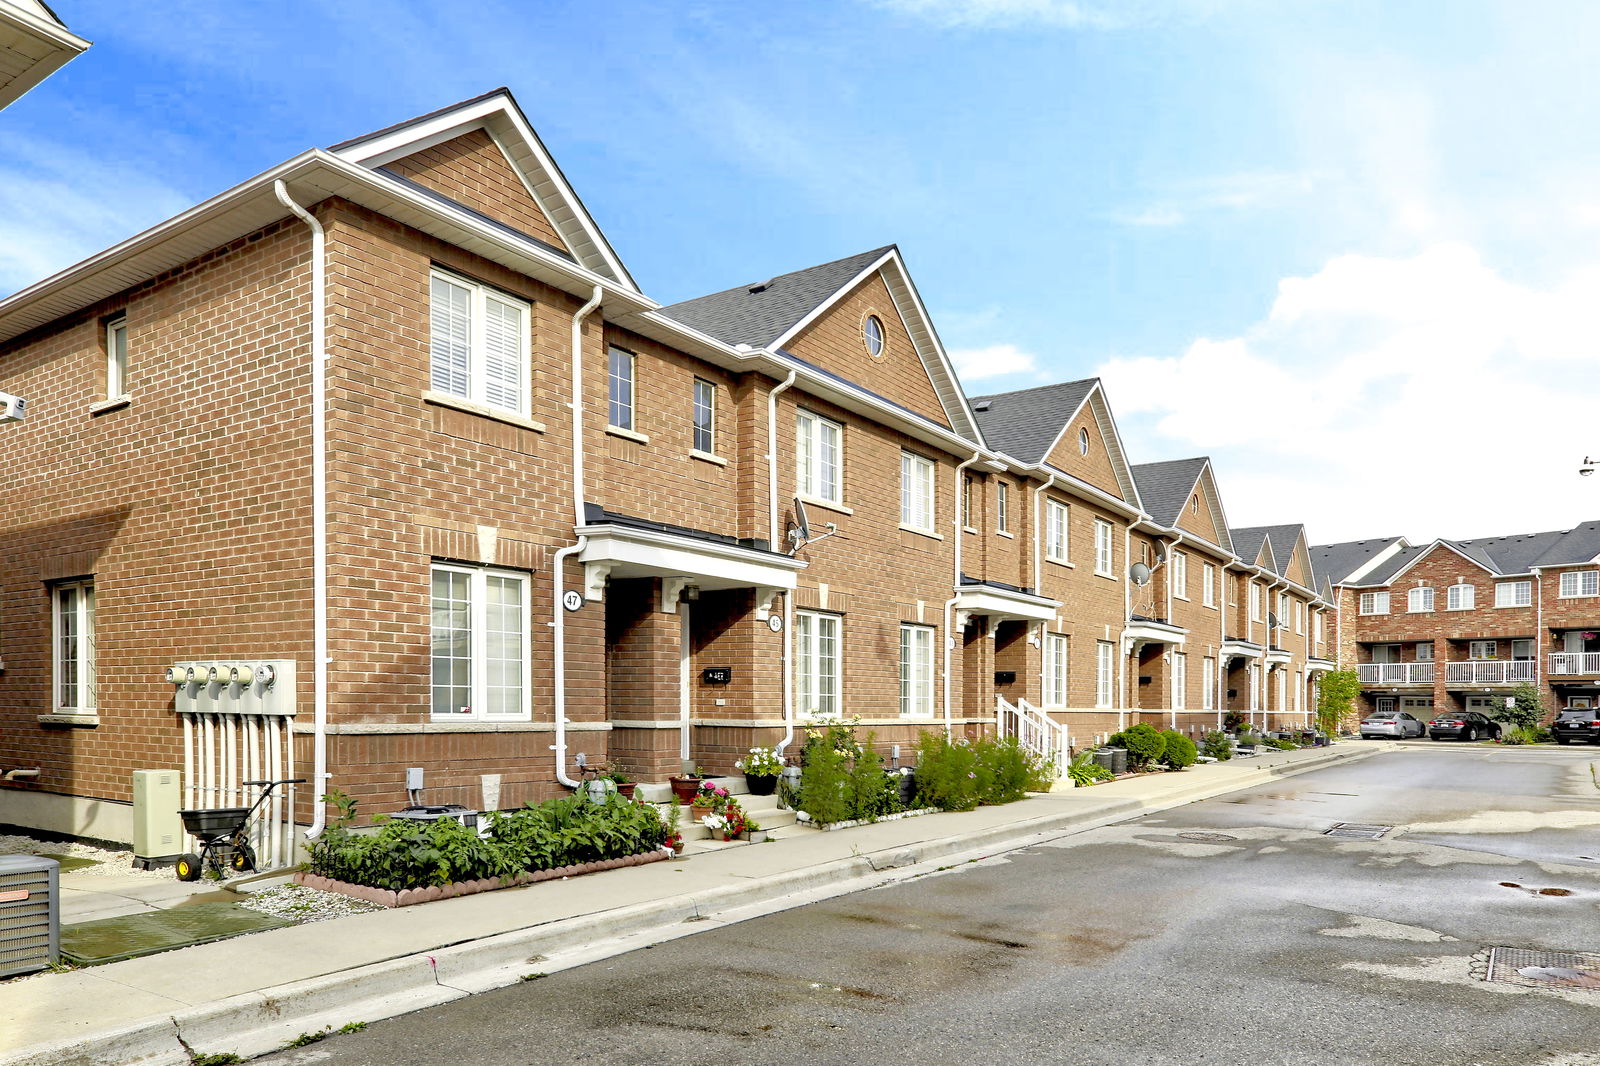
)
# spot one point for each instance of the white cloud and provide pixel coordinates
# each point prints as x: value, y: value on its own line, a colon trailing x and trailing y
x: 1182, y: 201
x: 996, y: 360
x: 1427, y: 396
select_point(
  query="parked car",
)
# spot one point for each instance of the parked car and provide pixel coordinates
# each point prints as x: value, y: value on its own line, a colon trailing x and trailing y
x: 1576, y: 724
x: 1397, y: 724
x: 1463, y: 725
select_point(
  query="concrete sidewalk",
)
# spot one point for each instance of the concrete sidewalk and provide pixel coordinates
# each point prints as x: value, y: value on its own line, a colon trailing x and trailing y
x: 251, y: 994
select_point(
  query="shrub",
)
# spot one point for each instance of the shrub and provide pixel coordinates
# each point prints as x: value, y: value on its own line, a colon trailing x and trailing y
x: 1145, y: 744
x: 870, y: 793
x: 1004, y: 770
x: 1217, y: 745
x: 947, y: 773
x: 1527, y: 708
x: 1180, y: 750
x: 1523, y: 734
x: 824, y: 779
x: 1083, y: 770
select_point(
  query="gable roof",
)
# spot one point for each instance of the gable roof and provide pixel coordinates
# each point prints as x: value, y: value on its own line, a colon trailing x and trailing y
x: 1025, y: 424
x: 1284, y: 539
x: 1516, y: 553
x: 1250, y: 542
x: 1167, y: 487
x: 1338, y: 563
x: 34, y: 44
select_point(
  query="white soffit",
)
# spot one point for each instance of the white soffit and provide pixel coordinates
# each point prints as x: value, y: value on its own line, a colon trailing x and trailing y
x: 33, y: 45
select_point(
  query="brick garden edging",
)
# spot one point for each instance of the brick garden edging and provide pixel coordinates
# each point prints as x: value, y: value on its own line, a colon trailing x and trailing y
x: 406, y: 897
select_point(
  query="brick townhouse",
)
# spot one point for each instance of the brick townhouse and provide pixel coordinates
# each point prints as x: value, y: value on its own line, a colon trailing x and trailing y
x: 1456, y: 625
x: 381, y: 459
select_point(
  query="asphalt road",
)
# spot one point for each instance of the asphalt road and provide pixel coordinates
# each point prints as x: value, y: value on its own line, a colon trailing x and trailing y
x: 1260, y: 941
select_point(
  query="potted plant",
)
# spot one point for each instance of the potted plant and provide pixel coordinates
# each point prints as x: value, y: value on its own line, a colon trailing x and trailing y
x: 674, y: 838
x: 753, y: 832
x: 685, y: 785
x: 761, y: 767
x: 710, y: 798
x: 618, y: 775
x: 728, y: 821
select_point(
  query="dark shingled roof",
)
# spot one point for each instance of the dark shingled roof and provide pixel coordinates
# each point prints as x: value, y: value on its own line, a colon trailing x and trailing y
x: 1335, y: 562
x: 1165, y: 488
x: 1283, y: 538
x: 742, y: 315
x: 1025, y: 423
x: 1247, y: 542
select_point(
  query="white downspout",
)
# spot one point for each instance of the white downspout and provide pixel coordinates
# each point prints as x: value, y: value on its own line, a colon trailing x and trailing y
x: 1172, y: 710
x: 319, y: 511
x: 559, y: 560
x: 955, y: 596
x: 1123, y: 648
x: 1038, y: 533
x: 776, y: 545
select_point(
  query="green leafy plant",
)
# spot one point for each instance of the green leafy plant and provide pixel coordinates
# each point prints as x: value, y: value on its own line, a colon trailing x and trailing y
x: 326, y: 1031
x: 1527, y: 708
x: 1180, y: 750
x: 824, y: 780
x: 1524, y: 734
x: 761, y: 762
x: 947, y: 773
x: 869, y: 793
x: 219, y: 1058
x: 1218, y: 745
x: 1084, y: 771
x: 1336, y: 699
x: 1145, y: 744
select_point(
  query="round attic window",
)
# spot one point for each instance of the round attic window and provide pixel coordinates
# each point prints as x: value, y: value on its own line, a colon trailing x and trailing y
x: 872, y: 334
x: 1083, y: 442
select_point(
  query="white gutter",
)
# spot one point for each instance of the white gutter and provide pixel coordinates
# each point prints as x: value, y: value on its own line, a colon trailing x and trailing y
x: 1173, y: 710
x: 1538, y: 630
x: 319, y: 511
x: 955, y: 596
x: 559, y: 560
x: 776, y: 545
x: 1124, y: 646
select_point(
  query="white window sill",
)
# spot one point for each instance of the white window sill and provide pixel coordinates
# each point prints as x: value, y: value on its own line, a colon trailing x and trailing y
x: 1003, y: 533
x: 1108, y: 577
x: 1180, y: 596
x: 707, y: 457
x: 510, y: 418
x: 969, y: 529
x: 828, y: 504
x: 930, y: 534
x: 627, y: 434
x: 1061, y: 562
x: 76, y: 721
x: 116, y: 403
x: 477, y: 721
x: 1373, y: 614
x: 1460, y: 608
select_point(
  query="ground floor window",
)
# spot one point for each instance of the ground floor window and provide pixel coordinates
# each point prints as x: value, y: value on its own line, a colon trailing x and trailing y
x: 916, y: 671
x: 73, y: 646
x: 1105, y: 661
x: 1180, y: 681
x: 480, y: 643
x: 1254, y: 673
x: 816, y: 658
x: 1055, y: 670
x: 1208, y: 684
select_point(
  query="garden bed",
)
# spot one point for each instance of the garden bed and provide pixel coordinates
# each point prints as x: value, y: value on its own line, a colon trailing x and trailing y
x: 851, y: 823
x: 407, y: 897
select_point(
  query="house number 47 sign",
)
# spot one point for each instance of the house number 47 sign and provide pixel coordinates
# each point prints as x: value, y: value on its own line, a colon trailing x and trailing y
x: 572, y: 599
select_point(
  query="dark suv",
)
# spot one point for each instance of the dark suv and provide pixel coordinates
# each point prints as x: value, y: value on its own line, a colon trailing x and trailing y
x: 1467, y: 725
x: 1580, y: 724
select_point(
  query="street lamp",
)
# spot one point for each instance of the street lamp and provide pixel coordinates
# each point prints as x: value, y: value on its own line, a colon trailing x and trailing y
x: 1587, y: 468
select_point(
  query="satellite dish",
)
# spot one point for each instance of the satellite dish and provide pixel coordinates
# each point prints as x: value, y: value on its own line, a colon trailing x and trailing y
x: 1272, y: 620
x: 1161, y: 557
x: 802, y: 524
x: 1139, y: 574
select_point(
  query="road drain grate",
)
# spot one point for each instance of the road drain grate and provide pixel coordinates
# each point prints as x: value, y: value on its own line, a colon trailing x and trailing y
x: 1544, y: 969
x: 1356, y: 830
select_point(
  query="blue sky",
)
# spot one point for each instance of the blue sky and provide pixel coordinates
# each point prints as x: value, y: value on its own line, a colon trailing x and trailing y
x: 1351, y: 250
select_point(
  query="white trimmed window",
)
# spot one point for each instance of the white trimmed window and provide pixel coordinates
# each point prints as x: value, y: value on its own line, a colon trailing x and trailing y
x: 966, y: 501
x: 1208, y: 591
x: 478, y: 342
x: 916, y: 492
x: 1424, y: 652
x: 620, y: 389
x: 705, y: 416
x: 1299, y: 616
x: 1254, y: 675
x: 1513, y: 594
x: 1002, y: 509
x: 1374, y: 603
x: 1316, y: 626
x: 1460, y: 597
x: 116, y: 357
x: 1180, y: 681
x: 1419, y: 600
x: 816, y: 654
x: 1481, y: 649
x: 1180, y: 575
x: 73, y: 647
x: 1283, y: 609
x: 1580, y: 583
x: 1299, y: 694
x: 1055, y: 670
x: 1522, y: 649
x: 1103, y: 561
x: 916, y: 671
x: 818, y: 457
x: 1208, y: 684
x: 480, y: 628
x: 1255, y: 602
x: 1055, y: 530
x: 1105, y: 672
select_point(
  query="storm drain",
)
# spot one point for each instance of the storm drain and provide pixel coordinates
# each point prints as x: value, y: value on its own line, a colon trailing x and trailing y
x: 1356, y: 830
x: 1544, y: 969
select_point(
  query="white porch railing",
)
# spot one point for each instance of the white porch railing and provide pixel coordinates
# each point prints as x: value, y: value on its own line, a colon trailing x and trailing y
x: 1395, y: 673
x: 1574, y: 663
x: 1490, y: 671
x: 1034, y: 730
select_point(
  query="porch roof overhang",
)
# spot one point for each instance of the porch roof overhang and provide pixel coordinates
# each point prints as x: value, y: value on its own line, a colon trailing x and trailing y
x: 1279, y: 656
x: 1151, y: 631
x: 620, y: 550
x: 1002, y: 603
x: 1235, y: 648
x: 1320, y: 666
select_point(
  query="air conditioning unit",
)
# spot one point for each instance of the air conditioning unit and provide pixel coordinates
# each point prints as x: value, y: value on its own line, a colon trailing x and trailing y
x: 30, y: 913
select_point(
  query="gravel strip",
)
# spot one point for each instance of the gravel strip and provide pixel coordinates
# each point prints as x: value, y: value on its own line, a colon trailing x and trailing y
x: 111, y: 863
x: 302, y: 905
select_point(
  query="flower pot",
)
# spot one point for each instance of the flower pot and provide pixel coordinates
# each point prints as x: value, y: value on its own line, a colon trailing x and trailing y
x: 625, y: 789
x: 761, y: 786
x: 757, y: 836
x: 684, y: 788
x: 729, y: 836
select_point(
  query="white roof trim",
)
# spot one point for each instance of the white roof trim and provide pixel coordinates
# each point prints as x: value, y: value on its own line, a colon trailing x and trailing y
x: 55, y: 44
x: 1101, y: 408
x: 1425, y: 552
x: 1394, y: 546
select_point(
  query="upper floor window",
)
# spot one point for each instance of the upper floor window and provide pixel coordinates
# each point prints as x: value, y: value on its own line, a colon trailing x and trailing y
x: 1002, y: 507
x: 1055, y: 530
x: 1208, y: 588
x: 619, y: 389
x: 1424, y: 651
x: 478, y: 343
x: 1180, y: 575
x: 1522, y: 649
x: 916, y: 492
x: 73, y: 652
x: 1299, y: 617
x: 872, y: 335
x: 1374, y: 603
x: 1460, y: 597
x: 817, y: 457
x: 966, y: 501
x: 1316, y: 626
x: 1194, y: 504
x: 481, y: 666
x: 1103, y: 561
x: 1419, y: 599
x: 1482, y: 649
x: 1283, y: 609
x: 1083, y: 442
x: 705, y: 416
x: 116, y: 356
x: 1580, y: 583
x: 1255, y: 602
x: 1513, y: 594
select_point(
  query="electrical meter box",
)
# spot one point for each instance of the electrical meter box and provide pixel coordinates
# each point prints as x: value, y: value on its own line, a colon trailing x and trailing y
x: 158, y: 836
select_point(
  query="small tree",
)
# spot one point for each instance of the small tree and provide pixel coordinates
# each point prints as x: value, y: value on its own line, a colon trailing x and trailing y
x: 1336, y: 697
x: 1527, y: 708
x: 1145, y: 744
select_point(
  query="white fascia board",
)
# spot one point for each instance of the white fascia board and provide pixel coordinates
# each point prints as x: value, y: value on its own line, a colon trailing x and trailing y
x: 1366, y: 568
x: 1079, y: 487
x: 1003, y: 603
x: 666, y: 553
x: 1154, y: 633
x: 817, y: 311
x: 1108, y: 432
x: 53, y: 44
x: 1424, y: 553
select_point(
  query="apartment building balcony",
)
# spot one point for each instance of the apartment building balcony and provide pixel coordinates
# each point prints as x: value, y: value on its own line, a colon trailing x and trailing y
x: 1490, y: 672
x: 1001, y: 602
x: 1390, y: 675
x: 1575, y: 665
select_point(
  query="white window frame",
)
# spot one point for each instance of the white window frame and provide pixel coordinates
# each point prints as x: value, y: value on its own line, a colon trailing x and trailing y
x: 1583, y: 583
x: 817, y: 667
x: 1002, y: 509
x: 1299, y: 694
x: 1105, y: 673
x: 72, y: 648
x: 1253, y: 673
x: 1056, y: 541
x: 1180, y: 575
x: 1513, y: 594
x: 1417, y: 652
x: 1283, y: 609
x: 1374, y: 603
x: 1255, y: 602
x: 1280, y: 702
x: 1180, y: 681
x: 478, y: 672
x: 1208, y: 683
x: 1104, y: 548
x: 1299, y: 616
x: 916, y: 671
x: 704, y: 421
x: 622, y: 369
x: 1523, y: 644
x: 1053, y: 687
x: 1460, y: 597
x: 1316, y: 627
x: 1476, y: 647
x: 819, y: 457
x: 476, y: 386
x: 1083, y: 440
x: 916, y: 491
x: 1208, y: 592
x: 966, y: 502
x: 117, y: 356
x: 1423, y: 595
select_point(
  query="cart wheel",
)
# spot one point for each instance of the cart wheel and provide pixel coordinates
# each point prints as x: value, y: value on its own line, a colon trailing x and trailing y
x: 242, y: 859
x: 188, y: 867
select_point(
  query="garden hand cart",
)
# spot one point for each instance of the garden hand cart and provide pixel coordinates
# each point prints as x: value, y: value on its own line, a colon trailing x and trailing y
x: 223, y: 835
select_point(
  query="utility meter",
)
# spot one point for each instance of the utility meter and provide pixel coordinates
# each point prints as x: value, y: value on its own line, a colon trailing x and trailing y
x: 266, y: 675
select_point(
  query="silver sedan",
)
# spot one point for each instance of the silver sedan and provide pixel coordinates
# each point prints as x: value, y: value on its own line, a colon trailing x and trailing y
x: 1396, y: 724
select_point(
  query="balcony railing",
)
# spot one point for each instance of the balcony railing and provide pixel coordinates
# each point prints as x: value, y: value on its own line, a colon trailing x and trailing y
x: 1574, y: 663
x: 1490, y: 671
x: 1395, y: 673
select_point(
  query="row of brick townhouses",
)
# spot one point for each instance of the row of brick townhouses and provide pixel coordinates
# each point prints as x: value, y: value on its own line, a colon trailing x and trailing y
x: 1456, y: 625
x: 381, y: 459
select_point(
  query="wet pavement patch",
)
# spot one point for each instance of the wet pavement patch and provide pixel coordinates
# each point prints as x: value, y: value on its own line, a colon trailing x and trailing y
x: 69, y: 862
x: 1544, y: 969
x: 1207, y: 838
x: 132, y: 935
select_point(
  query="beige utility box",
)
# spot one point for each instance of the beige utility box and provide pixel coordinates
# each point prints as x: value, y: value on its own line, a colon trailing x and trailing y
x: 158, y: 835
